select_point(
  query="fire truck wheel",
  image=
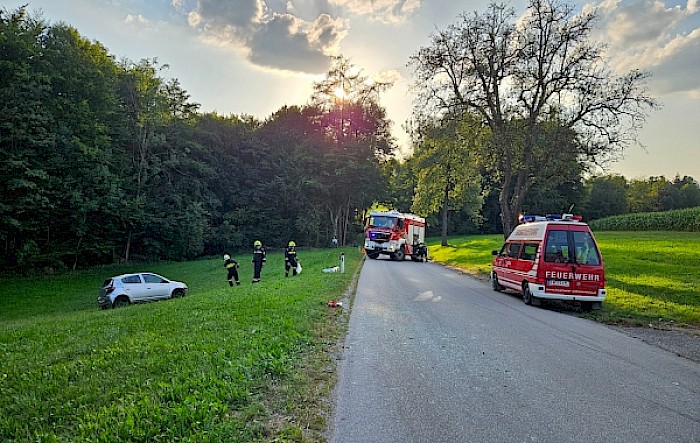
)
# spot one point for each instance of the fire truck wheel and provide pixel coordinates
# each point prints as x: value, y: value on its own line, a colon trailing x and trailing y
x: 373, y: 255
x: 399, y: 255
x: 528, y: 298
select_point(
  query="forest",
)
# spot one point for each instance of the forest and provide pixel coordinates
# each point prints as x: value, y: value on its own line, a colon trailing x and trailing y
x: 106, y: 160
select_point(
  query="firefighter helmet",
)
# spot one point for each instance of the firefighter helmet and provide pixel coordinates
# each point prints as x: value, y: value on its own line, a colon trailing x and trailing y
x: 291, y: 243
x: 257, y: 243
x: 226, y: 256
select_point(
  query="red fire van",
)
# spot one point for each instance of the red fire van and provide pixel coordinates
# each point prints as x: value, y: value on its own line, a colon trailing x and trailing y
x: 553, y: 257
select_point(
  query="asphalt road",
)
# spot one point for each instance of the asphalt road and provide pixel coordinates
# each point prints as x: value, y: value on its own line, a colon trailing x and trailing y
x: 433, y: 356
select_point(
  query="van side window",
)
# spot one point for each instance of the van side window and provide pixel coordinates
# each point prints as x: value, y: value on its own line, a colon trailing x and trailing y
x: 557, y: 247
x: 514, y: 250
x: 529, y: 251
x: 586, y: 250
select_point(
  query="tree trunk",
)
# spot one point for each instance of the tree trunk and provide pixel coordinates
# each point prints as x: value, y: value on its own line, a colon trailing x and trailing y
x: 128, y: 246
x: 445, y: 208
x: 77, y: 252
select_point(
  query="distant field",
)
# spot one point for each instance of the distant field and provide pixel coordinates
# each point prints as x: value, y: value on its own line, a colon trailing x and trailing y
x: 651, y: 276
x: 242, y: 364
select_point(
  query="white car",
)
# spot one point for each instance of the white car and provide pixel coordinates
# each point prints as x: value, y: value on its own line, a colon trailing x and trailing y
x: 125, y: 289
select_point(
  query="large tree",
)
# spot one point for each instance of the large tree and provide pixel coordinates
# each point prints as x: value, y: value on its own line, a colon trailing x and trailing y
x: 351, y: 116
x: 529, y: 77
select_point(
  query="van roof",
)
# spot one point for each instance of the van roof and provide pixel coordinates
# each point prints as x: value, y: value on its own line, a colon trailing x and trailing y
x: 536, y: 230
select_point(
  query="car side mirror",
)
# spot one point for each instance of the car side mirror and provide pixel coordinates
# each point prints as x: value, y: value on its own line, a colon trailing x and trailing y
x: 494, y: 252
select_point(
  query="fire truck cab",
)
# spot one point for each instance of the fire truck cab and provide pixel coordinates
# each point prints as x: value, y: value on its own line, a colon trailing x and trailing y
x: 395, y: 234
x: 553, y: 257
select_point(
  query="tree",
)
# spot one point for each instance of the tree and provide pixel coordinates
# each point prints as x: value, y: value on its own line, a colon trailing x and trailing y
x: 445, y: 171
x: 524, y: 79
x: 606, y: 196
x: 24, y: 134
x: 349, y: 113
x: 689, y: 191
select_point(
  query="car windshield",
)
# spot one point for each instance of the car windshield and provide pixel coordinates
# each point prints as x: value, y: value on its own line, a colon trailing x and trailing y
x: 382, y: 221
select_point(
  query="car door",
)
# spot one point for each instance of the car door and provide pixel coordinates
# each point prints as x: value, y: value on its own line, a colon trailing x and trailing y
x: 134, y: 287
x: 156, y: 286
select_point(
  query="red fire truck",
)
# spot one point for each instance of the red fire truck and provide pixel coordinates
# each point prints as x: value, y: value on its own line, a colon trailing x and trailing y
x: 395, y: 234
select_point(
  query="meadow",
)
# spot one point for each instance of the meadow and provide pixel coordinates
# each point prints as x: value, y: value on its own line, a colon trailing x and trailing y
x: 243, y: 364
x: 651, y: 277
x: 253, y: 363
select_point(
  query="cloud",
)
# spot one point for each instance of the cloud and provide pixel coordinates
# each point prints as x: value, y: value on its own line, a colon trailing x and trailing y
x: 286, y: 42
x: 646, y: 34
x: 386, y: 11
x: 136, y: 19
x: 269, y: 38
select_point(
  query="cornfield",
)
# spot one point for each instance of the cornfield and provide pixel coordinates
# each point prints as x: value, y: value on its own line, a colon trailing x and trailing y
x: 687, y: 220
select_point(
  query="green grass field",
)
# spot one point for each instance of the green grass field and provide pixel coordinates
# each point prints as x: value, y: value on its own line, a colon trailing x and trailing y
x: 254, y: 363
x: 652, y: 277
x: 243, y: 364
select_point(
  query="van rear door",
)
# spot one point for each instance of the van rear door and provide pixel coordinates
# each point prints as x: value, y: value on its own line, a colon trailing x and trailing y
x: 572, y: 263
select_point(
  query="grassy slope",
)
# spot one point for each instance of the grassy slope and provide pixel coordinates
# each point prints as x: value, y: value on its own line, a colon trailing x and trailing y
x: 223, y: 364
x: 651, y: 276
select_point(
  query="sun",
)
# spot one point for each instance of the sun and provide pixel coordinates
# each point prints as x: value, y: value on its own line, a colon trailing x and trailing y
x: 340, y: 93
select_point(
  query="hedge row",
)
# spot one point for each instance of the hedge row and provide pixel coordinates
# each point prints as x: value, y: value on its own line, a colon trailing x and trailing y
x: 679, y: 220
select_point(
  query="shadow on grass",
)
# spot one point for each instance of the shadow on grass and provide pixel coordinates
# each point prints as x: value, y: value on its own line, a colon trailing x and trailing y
x: 688, y: 297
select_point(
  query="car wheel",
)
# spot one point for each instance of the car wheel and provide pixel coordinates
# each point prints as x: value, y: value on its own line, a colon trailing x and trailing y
x: 399, y: 255
x: 527, y: 294
x: 121, y: 301
x: 177, y: 293
x: 494, y: 283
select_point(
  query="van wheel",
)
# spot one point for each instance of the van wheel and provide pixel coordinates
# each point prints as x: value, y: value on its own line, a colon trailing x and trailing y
x: 527, y: 294
x: 494, y: 283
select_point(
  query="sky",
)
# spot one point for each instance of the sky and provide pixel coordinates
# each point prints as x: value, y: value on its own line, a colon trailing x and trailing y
x: 254, y: 56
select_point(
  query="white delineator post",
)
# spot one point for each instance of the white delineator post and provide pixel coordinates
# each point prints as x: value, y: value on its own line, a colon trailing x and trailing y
x: 342, y: 262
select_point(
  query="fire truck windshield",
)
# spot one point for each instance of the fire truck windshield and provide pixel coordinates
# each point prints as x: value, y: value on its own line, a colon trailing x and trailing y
x: 382, y: 222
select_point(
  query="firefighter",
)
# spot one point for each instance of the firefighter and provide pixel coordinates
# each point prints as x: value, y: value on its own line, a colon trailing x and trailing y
x: 290, y: 259
x: 231, y: 266
x: 259, y: 260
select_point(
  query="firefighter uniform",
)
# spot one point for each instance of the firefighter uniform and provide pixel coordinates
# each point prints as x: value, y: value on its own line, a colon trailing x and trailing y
x: 259, y: 260
x: 231, y: 266
x: 290, y: 259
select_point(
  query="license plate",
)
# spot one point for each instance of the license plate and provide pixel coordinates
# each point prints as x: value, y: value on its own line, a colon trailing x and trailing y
x: 562, y: 283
